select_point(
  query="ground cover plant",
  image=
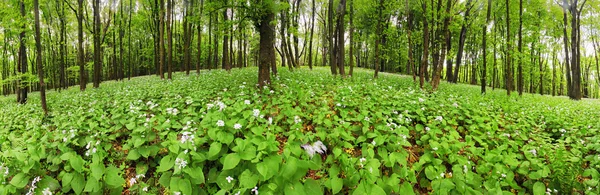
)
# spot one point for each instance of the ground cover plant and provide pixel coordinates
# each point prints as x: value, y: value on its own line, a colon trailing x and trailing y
x: 306, y: 133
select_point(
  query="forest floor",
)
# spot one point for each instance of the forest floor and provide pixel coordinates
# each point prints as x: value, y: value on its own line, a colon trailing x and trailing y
x: 309, y: 133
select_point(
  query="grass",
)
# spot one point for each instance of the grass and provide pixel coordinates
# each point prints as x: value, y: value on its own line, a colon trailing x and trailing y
x: 309, y: 133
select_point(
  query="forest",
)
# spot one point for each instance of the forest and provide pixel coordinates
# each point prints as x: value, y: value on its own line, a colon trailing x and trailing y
x: 299, y: 97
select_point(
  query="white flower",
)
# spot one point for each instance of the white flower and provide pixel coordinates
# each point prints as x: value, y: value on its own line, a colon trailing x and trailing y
x: 374, y: 143
x: 229, y: 179
x: 442, y: 175
x: 309, y: 150
x: 455, y: 104
x: 237, y: 126
x: 319, y: 147
x: 238, y: 193
x: 270, y: 120
x: 362, y: 160
x: 172, y: 111
x: 176, y: 193
x: 439, y: 118
x: 247, y: 102
x: 255, y: 190
x: 256, y: 112
x: 271, y: 91
x: 46, y: 191
x: 338, y: 104
x: 434, y: 148
x: 367, y: 118
x: 186, y: 136
x: 465, y: 169
x: 145, y: 189
x: 503, y: 175
x: 180, y: 163
x: 297, y: 119
x: 140, y: 176
x: 563, y: 130
x: 209, y: 106
x: 220, y: 123
x: 189, y: 101
x: 132, y: 181
x: 221, y: 105
x: 534, y: 152
x: 421, y: 100
x: 427, y: 128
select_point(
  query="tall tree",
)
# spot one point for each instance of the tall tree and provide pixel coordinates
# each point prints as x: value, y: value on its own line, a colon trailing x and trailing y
x: 425, y: 55
x: 520, y: 56
x: 330, y: 40
x: 312, y: 32
x: 97, y: 45
x: 22, y: 98
x: 461, y: 40
x: 169, y: 27
x: 267, y: 35
x: 484, y: 70
x: 38, y: 48
x: 508, y: 69
x: 379, y: 36
x: 340, y: 36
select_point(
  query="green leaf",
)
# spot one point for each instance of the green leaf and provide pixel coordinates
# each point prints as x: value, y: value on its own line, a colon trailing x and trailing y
x: 248, y: 179
x: 214, y: 150
x: 539, y: 188
x: 185, y: 186
x: 406, y: 189
x: 197, y: 174
x: 112, y: 177
x: 231, y: 161
x: 78, y: 183
x: 77, y: 163
x: 312, y: 187
x: 97, y: 170
x: 336, y: 184
x: 20, y: 180
x: 166, y: 163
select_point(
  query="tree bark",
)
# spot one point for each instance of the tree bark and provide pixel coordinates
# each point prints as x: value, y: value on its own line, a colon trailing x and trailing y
x: 266, y: 50
x: 97, y: 45
x: 484, y: 71
x: 508, y: 72
x: 461, y: 41
x: 38, y: 47
x: 425, y: 55
x: 379, y: 37
x: 520, y: 58
x: 22, y: 98
x: 331, y: 42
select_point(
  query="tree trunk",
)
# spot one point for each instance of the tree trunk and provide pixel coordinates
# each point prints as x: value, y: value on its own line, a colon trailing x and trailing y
x: 266, y: 50
x: 508, y: 73
x: 169, y: 39
x: 80, y: 54
x: 461, y: 41
x: 520, y: 58
x: 38, y: 47
x: 378, y: 37
x: 331, y: 42
x: 97, y: 45
x: 425, y: 55
x: 442, y: 57
x: 225, y: 61
x: 22, y: 98
x: 312, y: 29
x: 340, y: 38
x: 484, y: 71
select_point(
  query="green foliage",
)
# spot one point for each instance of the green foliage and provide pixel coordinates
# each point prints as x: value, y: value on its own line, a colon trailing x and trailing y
x: 215, y: 133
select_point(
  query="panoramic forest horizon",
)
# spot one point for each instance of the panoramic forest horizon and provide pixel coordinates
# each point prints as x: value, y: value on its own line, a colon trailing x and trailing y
x: 232, y: 97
